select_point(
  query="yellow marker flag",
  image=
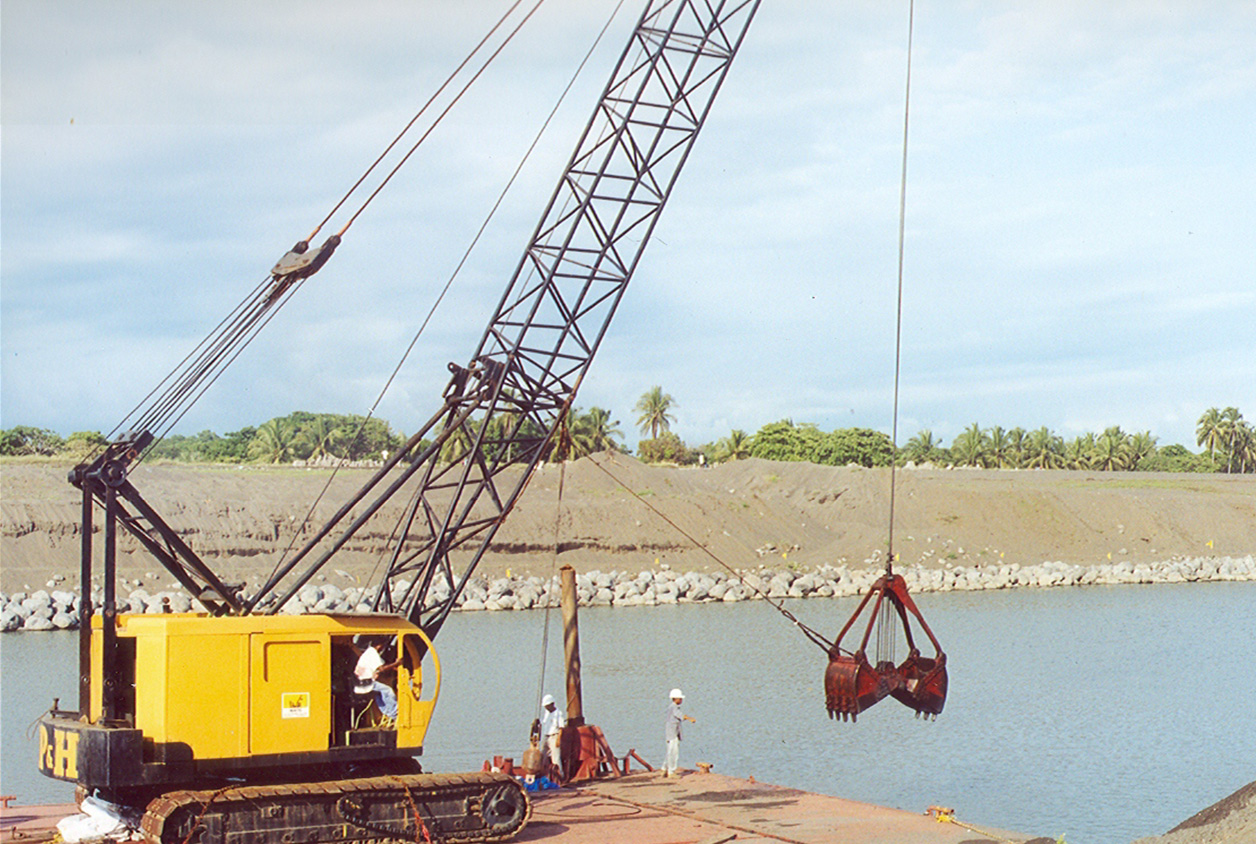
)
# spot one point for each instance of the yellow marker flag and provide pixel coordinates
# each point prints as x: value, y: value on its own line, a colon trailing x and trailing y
x: 1109, y: 555
x: 1209, y: 543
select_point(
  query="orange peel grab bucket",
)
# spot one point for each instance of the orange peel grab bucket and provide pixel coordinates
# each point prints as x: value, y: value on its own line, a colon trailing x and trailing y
x: 852, y: 683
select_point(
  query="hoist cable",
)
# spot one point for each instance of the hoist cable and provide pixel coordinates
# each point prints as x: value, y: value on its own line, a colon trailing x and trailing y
x: 414, y: 119
x: 189, y: 379
x: 898, y: 326
x: 225, y: 361
x: 439, y: 117
x: 204, y: 364
x: 492, y: 213
x: 815, y: 637
x: 210, y: 366
x: 141, y: 404
x: 549, y: 599
x: 176, y: 382
x: 202, y: 371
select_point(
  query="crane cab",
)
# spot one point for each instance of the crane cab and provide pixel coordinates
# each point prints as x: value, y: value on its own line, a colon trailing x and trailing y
x: 198, y: 694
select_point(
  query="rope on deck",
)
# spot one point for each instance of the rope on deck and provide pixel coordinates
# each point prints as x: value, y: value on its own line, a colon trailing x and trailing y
x: 945, y: 815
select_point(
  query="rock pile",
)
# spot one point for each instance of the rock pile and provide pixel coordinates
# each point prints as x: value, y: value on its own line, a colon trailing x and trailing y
x: 59, y: 610
x: 42, y: 610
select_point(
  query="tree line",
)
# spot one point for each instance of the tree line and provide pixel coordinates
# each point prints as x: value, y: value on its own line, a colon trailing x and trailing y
x: 1228, y: 443
x: 298, y: 436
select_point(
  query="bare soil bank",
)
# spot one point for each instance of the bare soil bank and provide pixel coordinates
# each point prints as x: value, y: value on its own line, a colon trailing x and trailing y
x: 1228, y: 821
x: 748, y: 513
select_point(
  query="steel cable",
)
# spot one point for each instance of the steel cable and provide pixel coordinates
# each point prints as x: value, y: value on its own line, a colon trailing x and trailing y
x: 898, y: 324
x: 549, y: 602
x: 185, y: 360
x: 439, y: 118
x: 457, y: 269
x: 813, y: 635
x: 174, y: 395
x: 413, y: 120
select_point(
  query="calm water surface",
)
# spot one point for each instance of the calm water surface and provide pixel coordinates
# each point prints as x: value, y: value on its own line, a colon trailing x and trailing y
x: 1103, y: 714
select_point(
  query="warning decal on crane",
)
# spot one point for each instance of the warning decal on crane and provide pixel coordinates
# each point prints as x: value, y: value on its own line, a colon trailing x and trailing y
x: 295, y: 704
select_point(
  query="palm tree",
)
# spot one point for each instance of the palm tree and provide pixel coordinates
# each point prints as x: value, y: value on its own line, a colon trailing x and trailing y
x: 1016, y: 445
x: 1231, y: 421
x: 971, y: 447
x: 999, y: 448
x: 1115, y: 432
x: 1244, y: 451
x: 458, y: 445
x: 1112, y: 452
x: 736, y: 446
x: 1081, y: 452
x: 600, y: 430
x: 506, y: 424
x: 653, y: 406
x: 1142, y: 446
x: 1209, y: 431
x: 319, y: 435
x: 921, y: 447
x: 566, y: 443
x: 1044, y: 450
x: 273, y: 441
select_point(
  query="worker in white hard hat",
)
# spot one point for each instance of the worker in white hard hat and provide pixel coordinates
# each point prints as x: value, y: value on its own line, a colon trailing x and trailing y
x: 671, y: 729
x: 552, y: 723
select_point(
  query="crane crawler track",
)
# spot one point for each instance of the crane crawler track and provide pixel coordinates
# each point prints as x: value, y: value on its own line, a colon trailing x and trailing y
x: 416, y: 807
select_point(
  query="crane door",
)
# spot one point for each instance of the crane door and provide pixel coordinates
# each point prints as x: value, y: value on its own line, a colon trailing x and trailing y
x: 290, y: 693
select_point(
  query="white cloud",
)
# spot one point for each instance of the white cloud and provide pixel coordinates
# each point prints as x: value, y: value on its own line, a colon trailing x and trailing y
x: 1078, y: 242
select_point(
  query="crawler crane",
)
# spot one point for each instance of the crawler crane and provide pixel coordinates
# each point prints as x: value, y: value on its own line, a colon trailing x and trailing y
x: 239, y: 725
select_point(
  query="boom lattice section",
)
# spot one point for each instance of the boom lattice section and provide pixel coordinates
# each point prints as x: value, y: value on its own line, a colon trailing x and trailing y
x: 502, y: 409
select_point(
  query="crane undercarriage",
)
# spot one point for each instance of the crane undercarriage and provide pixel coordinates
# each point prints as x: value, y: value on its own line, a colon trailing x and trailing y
x: 410, y: 807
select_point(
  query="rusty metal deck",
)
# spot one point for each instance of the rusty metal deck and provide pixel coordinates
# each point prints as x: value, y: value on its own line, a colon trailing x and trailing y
x: 701, y: 808
x: 695, y: 808
x: 31, y: 824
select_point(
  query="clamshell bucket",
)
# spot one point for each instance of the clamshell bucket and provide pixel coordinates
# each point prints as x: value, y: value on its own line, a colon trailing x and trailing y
x: 852, y: 683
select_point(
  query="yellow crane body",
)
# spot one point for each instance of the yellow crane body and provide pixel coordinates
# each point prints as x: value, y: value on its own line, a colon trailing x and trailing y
x: 203, y: 694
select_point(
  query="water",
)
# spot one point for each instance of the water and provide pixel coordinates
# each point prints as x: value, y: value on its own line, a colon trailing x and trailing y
x: 1103, y: 714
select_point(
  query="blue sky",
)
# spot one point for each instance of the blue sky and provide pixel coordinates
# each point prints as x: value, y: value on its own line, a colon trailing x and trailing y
x: 1079, y: 242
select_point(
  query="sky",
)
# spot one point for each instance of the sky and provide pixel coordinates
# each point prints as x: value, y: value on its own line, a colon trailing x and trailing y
x: 1078, y: 248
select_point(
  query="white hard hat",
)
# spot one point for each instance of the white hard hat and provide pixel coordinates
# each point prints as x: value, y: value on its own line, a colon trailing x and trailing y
x: 547, y: 700
x: 676, y: 693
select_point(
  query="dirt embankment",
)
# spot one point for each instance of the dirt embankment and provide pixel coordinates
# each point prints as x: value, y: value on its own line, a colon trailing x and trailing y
x: 747, y: 513
x: 1228, y: 821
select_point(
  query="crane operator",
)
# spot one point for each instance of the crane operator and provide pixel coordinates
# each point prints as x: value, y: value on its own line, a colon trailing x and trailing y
x: 370, y: 666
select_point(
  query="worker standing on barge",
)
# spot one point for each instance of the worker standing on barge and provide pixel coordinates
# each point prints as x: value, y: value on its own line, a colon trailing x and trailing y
x: 671, y: 729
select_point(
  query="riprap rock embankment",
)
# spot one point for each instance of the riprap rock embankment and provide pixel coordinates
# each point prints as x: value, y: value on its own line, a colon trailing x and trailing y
x: 59, y: 609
